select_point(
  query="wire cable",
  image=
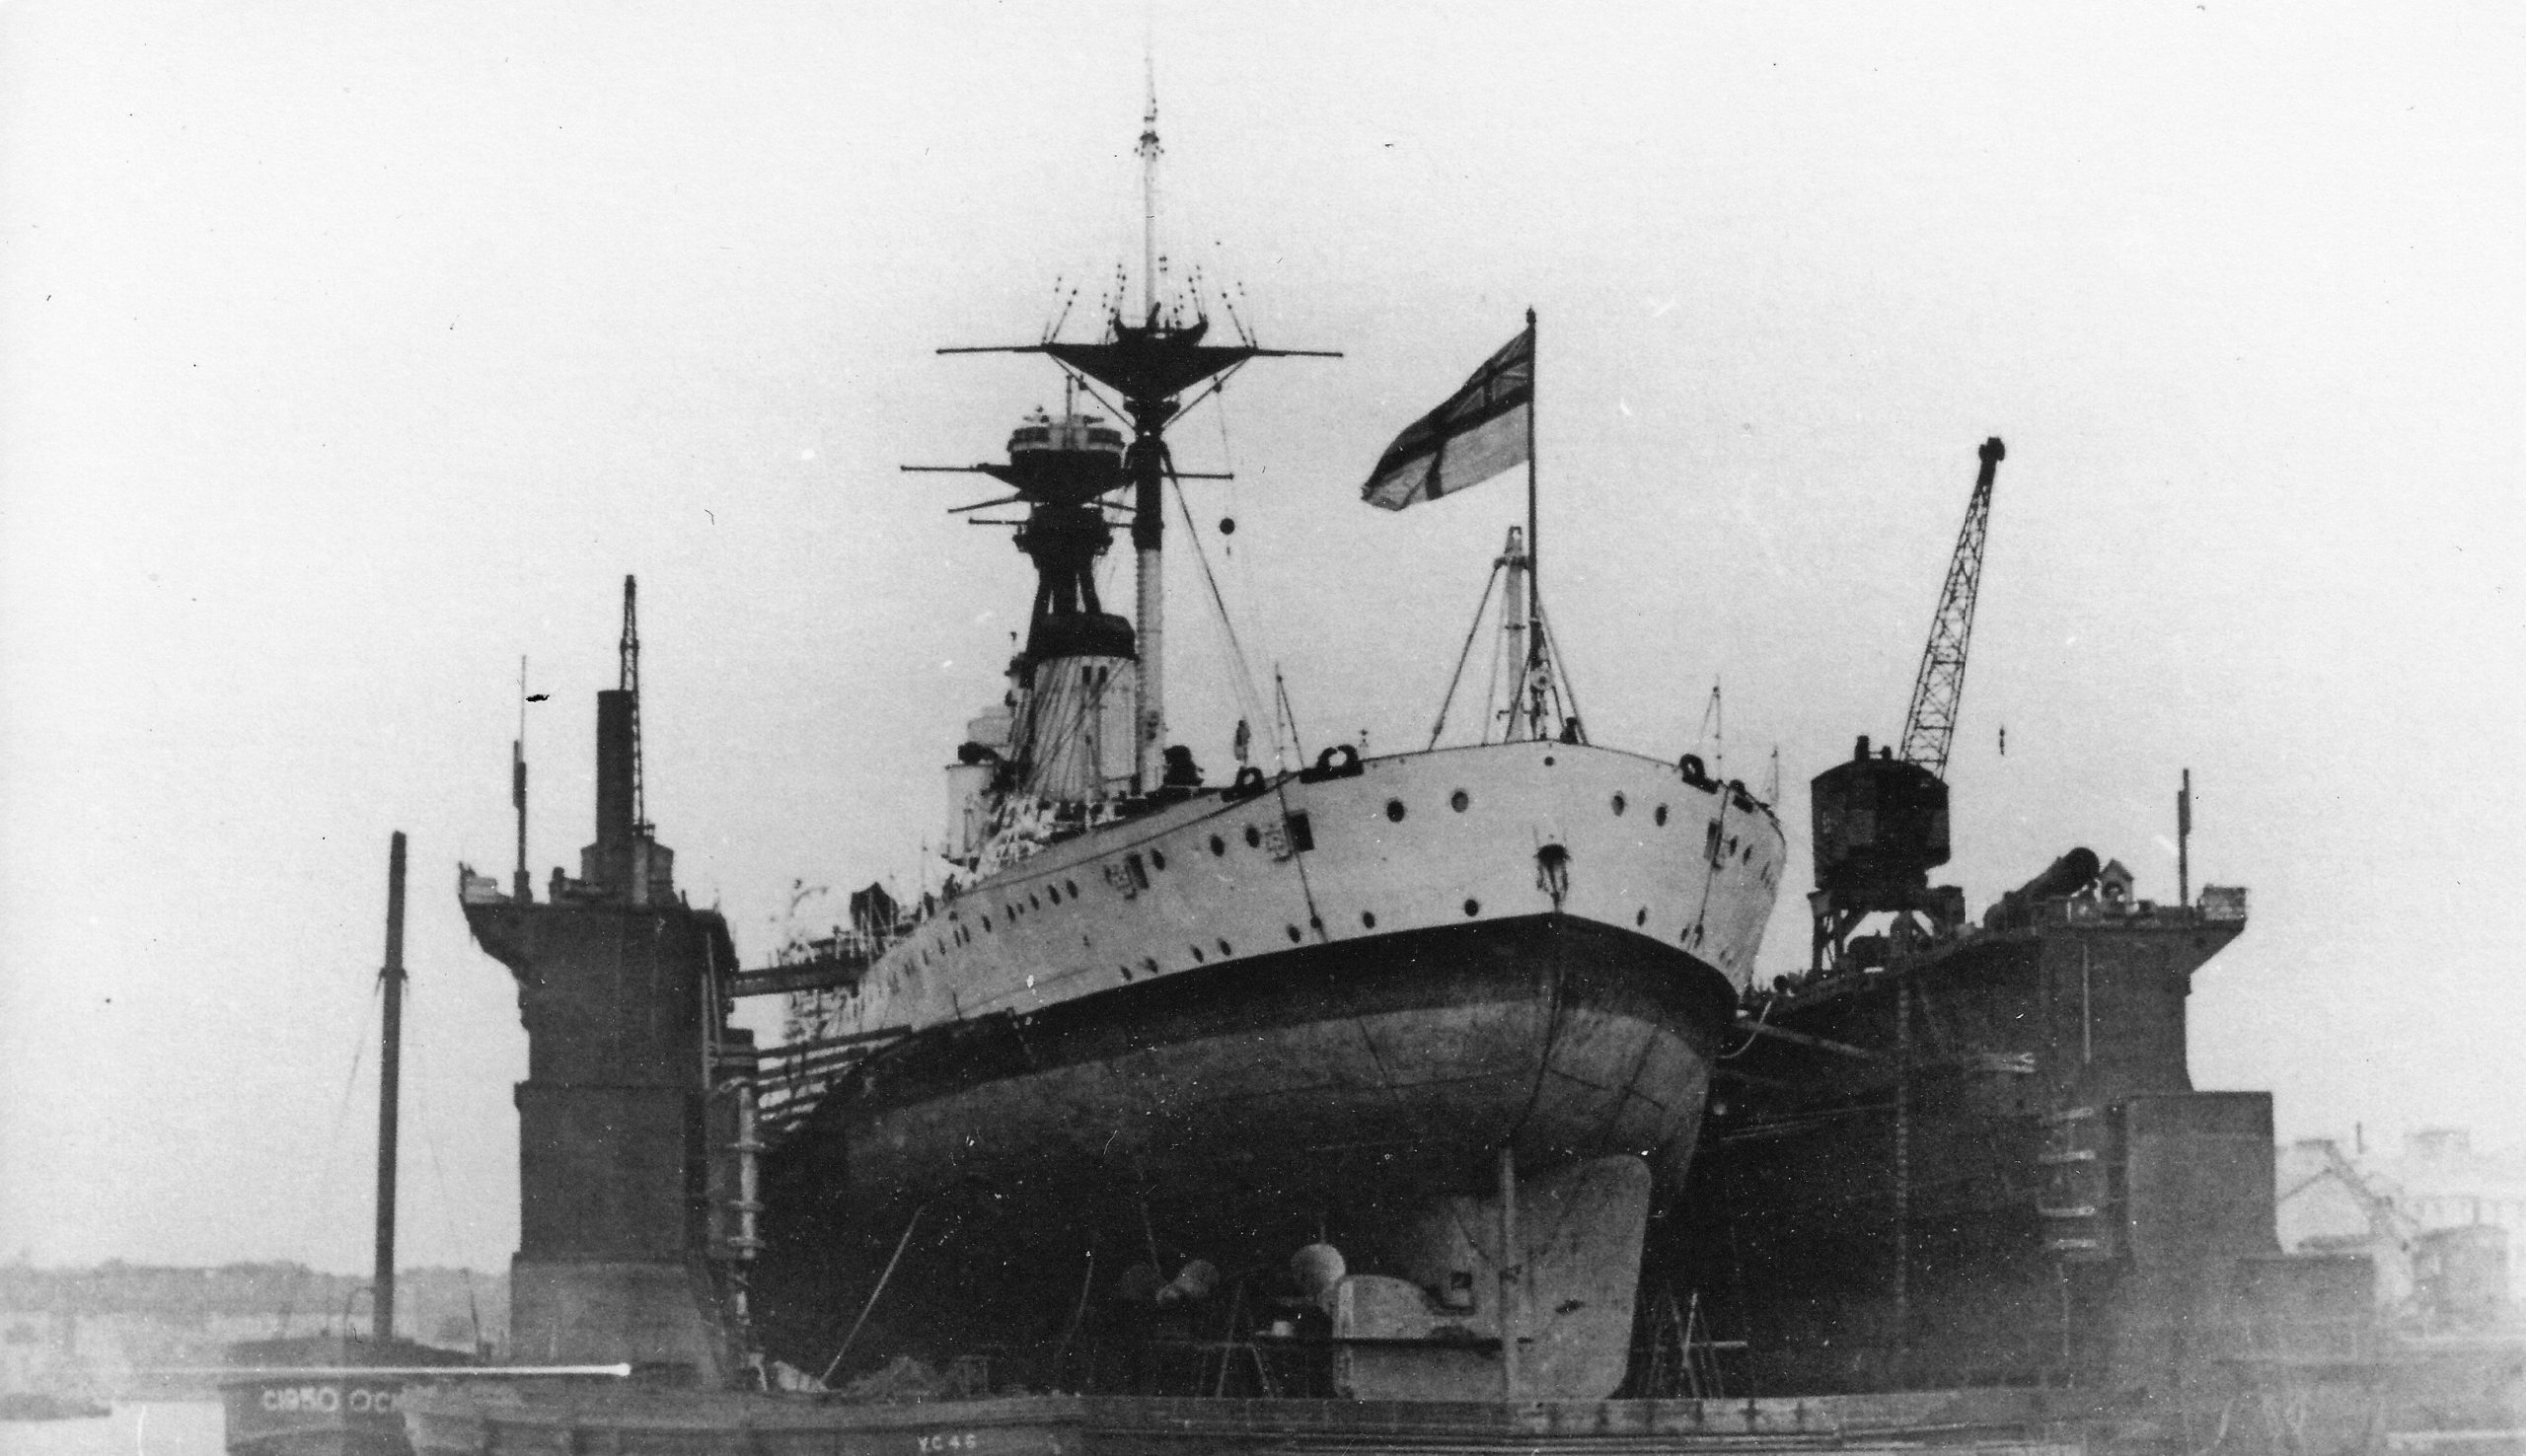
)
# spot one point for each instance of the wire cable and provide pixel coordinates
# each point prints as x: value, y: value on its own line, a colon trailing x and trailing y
x: 1465, y: 654
x: 1249, y: 696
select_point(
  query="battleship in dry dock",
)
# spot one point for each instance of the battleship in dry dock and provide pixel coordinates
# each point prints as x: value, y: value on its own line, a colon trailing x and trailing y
x: 1376, y: 1090
x: 1309, y: 1041
x: 1957, y: 1186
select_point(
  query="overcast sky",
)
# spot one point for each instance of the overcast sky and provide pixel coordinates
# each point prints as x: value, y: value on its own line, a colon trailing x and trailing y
x: 347, y: 354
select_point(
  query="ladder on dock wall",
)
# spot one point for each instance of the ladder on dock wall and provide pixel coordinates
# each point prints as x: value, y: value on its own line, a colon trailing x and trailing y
x: 2076, y: 1205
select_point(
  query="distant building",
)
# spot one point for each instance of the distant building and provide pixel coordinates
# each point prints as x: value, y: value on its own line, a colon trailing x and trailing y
x: 2437, y: 1219
x: 2447, y: 1184
x: 2325, y: 1204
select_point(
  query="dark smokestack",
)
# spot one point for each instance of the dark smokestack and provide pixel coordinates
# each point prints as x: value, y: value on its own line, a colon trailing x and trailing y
x: 617, y: 759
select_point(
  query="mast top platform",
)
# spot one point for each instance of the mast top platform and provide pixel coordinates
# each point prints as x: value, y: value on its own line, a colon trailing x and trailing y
x: 1148, y: 364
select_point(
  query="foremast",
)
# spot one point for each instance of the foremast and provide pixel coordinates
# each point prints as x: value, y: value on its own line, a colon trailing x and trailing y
x: 1148, y: 365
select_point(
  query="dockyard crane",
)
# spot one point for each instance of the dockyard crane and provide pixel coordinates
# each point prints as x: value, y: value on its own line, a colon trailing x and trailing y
x: 1881, y: 821
x: 1929, y: 727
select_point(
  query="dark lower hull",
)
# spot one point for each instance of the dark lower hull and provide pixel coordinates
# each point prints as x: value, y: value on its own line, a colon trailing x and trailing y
x: 1324, y: 1094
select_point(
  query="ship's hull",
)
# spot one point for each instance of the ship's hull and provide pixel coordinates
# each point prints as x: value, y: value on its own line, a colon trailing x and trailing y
x: 1242, y: 1024
x: 1459, y: 837
x: 1403, y: 1060
x: 1324, y: 1093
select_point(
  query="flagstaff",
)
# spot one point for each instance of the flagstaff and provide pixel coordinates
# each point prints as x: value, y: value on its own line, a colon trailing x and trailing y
x: 1535, y: 538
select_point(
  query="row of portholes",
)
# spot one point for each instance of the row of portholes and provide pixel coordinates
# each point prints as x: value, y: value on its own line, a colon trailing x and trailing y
x: 1460, y: 801
x: 1253, y: 841
x: 1689, y: 935
x: 1148, y: 963
x: 1067, y: 889
x: 1053, y: 893
x: 1368, y: 921
x: 1315, y: 923
x: 1658, y: 815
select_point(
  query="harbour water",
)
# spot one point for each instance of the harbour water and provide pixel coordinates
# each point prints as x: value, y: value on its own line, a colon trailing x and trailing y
x: 135, y: 1429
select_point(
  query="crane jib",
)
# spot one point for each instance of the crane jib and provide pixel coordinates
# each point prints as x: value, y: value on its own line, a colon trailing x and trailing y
x: 1929, y: 726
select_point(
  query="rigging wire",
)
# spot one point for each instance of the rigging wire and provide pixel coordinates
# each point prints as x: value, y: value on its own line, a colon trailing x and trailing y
x: 1491, y: 690
x: 1244, y: 570
x: 1471, y: 633
x: 447, y: 1203
x: 1047, y: 743
x: 1714, y: 731
x: 1711, y: 858
x: 1280, y: 690
x: 1217, y: 383
x: 1249, y: 697
x: 1557, y: 673
x: 320, y: 1208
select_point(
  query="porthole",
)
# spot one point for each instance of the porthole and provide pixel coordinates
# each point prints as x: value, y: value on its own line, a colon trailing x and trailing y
x: 1150, y: 963
x: 1253, y: 837
x: 1547, y: 760
x: 1196, y: 954
x: 1217, y: 844
x: 1620, y: 804
x: 1156, y: 860
x: 1473, y: 907
x: 1660, y: 816
x: 1641, y: 919
x: 1070, y: 887
x: 1315, y: 923
x: 1368, y: 918
x: 1294, y: 934
x: 1032, y: 903
x: 1395, y: 810
x: 1225, y: 951
x: 985, y: 922
x: 1126, y: 969
x: 1459, y: 801
x: 1053, y: 893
